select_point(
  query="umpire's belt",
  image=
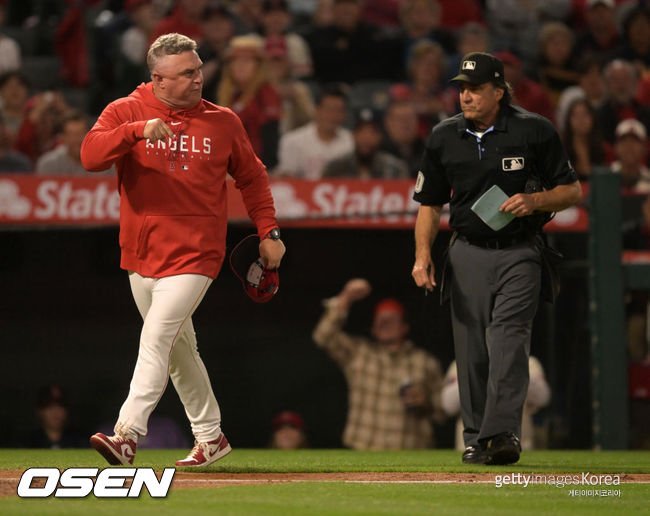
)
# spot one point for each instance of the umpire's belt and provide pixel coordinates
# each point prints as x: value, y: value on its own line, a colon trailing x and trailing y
x: 497, y: 243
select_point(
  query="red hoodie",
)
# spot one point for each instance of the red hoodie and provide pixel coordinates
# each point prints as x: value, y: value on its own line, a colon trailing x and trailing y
x: 173, y: 214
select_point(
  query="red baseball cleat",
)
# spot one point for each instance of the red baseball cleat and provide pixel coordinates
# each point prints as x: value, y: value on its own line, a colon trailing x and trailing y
x: 116, y: 450
x: 204, y: 454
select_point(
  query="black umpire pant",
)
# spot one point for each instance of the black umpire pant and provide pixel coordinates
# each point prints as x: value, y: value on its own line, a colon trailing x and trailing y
x: 494, y: 297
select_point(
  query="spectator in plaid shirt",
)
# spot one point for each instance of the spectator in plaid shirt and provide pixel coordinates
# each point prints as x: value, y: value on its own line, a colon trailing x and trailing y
x: 393, y: 387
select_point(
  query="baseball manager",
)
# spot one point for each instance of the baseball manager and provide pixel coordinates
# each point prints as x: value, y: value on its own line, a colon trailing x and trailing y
x: 172, y: 151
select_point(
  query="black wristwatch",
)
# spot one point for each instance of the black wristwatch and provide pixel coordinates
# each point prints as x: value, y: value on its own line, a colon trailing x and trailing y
x: 274, y: 234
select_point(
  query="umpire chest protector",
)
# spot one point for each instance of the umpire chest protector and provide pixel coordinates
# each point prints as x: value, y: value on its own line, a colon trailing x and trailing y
x: 460, y: 164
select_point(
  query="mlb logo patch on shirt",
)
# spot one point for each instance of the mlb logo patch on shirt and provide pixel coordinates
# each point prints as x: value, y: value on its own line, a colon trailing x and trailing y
x: 512, y: 164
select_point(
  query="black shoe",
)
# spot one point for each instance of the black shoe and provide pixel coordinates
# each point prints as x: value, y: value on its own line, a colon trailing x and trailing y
x: 503, y: 449
x: 475, y: 454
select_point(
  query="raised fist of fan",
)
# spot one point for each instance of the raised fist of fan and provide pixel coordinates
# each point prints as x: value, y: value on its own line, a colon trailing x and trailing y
x: 353, y: 291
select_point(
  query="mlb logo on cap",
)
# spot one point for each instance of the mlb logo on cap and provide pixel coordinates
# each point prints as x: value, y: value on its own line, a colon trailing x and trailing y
x: 479, y: 68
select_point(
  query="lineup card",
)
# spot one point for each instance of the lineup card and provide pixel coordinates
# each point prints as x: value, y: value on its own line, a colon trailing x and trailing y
x: 487, y: 208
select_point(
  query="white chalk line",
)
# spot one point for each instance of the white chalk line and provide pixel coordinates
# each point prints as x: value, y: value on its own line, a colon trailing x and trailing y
x: 302, y: 480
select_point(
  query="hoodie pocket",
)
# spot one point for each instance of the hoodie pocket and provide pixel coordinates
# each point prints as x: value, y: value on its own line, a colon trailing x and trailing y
x: 175, y: 238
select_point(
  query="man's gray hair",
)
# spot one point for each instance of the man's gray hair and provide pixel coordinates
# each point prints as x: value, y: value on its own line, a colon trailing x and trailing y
x: 167, y: 45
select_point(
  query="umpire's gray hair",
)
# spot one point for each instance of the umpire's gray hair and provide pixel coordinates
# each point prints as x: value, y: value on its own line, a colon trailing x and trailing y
x: 166, y: 45
x: 508, y: 93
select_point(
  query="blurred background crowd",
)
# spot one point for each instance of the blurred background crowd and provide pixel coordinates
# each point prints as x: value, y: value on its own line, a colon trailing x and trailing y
x: 338, y: 88
x: 332, y: 88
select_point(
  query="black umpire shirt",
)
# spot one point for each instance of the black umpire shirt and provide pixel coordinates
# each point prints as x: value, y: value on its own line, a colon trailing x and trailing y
x: 458, y: 166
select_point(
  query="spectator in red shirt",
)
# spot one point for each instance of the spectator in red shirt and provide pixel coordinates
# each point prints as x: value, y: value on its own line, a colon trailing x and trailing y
x: 38, y: 132
x: 456, y: 13
x: 527, y: 93
x: 184, y: 19
x: 382, y: 13
x: 643, y: 92
x: 297, y: 100
x: 276, y: 21
x: 245, y: 88
x: 71, y: 43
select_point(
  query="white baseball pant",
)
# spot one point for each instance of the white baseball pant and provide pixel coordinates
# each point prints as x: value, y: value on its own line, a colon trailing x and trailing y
x: 168, y: 348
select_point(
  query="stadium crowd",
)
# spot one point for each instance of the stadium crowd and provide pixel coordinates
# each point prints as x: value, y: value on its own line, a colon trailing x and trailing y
x: 332, y: 88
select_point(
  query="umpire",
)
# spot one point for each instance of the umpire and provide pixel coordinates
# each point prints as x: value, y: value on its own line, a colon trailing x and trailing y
x: 495, y: 276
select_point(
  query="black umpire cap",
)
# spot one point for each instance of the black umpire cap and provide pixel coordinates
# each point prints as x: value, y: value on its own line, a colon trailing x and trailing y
x: 479, y: 68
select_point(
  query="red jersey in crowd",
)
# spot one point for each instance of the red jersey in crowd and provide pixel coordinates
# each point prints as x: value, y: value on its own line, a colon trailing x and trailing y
x: 456, y: 13
x: 533, y: 97
x: 173, y: 192
x: 176, y: 22
x: 264, y: 107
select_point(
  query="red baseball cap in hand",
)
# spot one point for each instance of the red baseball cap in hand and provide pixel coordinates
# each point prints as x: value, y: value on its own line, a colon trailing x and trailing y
x: 260, y: 283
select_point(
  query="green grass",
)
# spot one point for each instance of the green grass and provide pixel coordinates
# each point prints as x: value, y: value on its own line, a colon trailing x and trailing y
x: 335, y: 498
x: 302, y: 461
